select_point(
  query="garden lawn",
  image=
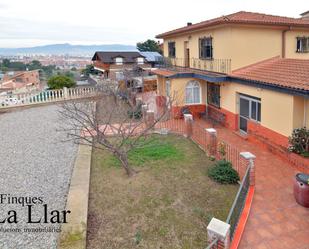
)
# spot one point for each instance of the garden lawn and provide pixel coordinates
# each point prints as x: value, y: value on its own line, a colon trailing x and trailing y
x: 168, y: 204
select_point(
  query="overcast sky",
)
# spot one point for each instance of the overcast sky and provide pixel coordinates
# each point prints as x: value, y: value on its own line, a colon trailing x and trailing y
x: 25, y: 23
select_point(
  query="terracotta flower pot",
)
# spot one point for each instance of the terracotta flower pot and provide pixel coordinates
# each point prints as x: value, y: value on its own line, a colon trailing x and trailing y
x: 301, y: 189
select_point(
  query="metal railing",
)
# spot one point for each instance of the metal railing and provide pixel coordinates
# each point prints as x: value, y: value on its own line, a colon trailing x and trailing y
x: 236, y: 209
x: 213, y: 65
x: 225, y: 151
x: 239, y: 203
x: 213, y: 245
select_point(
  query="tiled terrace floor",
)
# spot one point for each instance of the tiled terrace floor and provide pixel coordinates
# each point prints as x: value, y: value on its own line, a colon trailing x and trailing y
x: 276, y: 221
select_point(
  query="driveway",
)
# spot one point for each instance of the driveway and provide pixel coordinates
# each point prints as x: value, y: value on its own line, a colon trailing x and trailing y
x: 34, y: 163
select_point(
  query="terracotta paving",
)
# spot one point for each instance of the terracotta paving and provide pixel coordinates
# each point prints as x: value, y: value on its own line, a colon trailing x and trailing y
x: 275, y: 220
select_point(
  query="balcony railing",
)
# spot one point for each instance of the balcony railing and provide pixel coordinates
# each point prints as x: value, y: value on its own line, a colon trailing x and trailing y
x: 213, y: 65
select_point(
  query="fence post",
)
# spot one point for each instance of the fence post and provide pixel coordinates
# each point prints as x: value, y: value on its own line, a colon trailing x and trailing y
x: 138, y: 101
x: 150, y: 118
x: 188, y: 125
x: 212, y: 134
x: 144, y: 111
x: 65, y: 92
x: 220, y: 230
x: 250, y: 162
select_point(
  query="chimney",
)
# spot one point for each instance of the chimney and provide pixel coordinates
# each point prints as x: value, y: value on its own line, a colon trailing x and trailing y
x: 305, y: 15
x: 189, y: 23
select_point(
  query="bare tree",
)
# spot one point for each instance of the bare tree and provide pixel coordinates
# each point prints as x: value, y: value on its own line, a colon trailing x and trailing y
x: 114, y: 122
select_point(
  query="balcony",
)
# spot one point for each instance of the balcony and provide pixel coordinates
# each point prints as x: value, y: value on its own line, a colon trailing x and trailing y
x: 211, y: 65
x: 100, y: 66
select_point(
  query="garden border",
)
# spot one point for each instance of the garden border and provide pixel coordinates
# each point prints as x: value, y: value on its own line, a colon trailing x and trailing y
x: 73, y: 234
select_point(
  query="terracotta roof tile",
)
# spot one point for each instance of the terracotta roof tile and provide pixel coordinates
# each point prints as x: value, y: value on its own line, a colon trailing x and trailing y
x: 242, y: 17
x: 164, y: 72
x: 189, y: 72
x: 290, y: 73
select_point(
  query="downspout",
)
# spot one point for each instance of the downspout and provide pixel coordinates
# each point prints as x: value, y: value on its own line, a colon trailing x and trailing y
x: 283, y: 41
x: 305, y: 112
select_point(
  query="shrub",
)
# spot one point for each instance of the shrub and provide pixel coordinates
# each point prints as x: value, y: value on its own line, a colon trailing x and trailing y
x: 299, y: 141
x: 223, y: 172
x: 136, y: 113
x: 60, y: 81
x: 138, y: 237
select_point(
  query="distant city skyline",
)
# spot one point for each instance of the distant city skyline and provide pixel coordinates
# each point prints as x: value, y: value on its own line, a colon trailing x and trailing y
x: 34, y: 23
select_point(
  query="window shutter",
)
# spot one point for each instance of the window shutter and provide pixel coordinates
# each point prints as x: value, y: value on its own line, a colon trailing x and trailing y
x: 200, y: 47
x: 211, y: 48
x: 297, y: 44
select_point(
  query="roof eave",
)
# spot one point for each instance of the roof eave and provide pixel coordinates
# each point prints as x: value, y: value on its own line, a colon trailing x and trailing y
x: 193, y: 29
x: 270, y: 86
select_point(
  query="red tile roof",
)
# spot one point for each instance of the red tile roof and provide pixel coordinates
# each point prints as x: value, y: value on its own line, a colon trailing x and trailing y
x: 164, y: 72
x: 242, y: 17
x: 288, y: 73
x: 173, y: 71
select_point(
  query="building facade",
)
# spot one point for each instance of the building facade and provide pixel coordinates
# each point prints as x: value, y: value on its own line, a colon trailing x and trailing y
x: 20, y: 81
x: 249, y: 70
x: 113, y: 65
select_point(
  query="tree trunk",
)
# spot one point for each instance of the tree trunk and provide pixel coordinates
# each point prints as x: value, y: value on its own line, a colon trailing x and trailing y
x: 123, y: 157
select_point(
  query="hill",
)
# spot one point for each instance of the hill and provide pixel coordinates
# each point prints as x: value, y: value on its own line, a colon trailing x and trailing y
x: 66, y: 48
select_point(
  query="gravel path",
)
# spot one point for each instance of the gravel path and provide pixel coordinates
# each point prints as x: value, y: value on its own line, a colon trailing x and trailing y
x: 34, y: 162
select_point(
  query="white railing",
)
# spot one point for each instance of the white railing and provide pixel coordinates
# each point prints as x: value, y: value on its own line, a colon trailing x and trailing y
x: 21, y: 99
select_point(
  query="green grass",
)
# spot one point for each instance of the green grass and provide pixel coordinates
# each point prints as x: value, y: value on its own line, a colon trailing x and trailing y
x: 151, y: 150
x: 168, y: 204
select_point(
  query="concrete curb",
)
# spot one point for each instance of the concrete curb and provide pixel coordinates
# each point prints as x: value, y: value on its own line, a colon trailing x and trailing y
x: 73, y: 234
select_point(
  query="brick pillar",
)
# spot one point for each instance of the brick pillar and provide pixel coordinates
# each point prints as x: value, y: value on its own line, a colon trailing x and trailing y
x: 188, y: 125
x: 138, y: 100
x: 220, y: 230
x: 150, y: 118
x: 144, y: 111
x: 250, y: 162
x: 212, y: 144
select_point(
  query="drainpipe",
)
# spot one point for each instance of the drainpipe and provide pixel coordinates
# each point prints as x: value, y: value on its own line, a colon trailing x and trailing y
x: 305, y: 113
x: 283, y: 41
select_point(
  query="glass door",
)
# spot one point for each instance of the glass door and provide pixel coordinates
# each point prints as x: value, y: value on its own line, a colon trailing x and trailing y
x: 244, y: 109
x: 249, y: 109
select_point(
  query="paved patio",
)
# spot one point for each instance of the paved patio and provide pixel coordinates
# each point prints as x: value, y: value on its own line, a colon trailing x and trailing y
x: 275, y: 220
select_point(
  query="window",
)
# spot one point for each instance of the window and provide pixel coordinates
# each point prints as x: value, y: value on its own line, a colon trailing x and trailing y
x: 205, y: 48
x: 168, y: 88
x: 193, y: 93
x: 140, y: 60
x: 119, y: 75
x: 119, y: 61
x: 213, y: 94
x: 171, y: 49
x: 250, y: 107
x: 255, y: 113
x: 302, y: 45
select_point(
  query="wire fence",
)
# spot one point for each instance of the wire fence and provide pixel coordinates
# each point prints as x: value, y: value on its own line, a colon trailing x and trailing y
x: 173, y: 125
x: 236, y: 209
x: 213, y: 245
x: 239, y: 203
x: 219, y: 149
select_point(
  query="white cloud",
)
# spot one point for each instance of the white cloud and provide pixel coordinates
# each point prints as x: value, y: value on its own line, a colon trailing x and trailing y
x: 116, y: 21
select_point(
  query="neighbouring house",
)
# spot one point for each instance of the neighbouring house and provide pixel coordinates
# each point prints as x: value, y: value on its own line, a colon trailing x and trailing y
x: 20, y: 81
x: 153, y: 58
x: 248, y: 70
x: 113, y: 64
